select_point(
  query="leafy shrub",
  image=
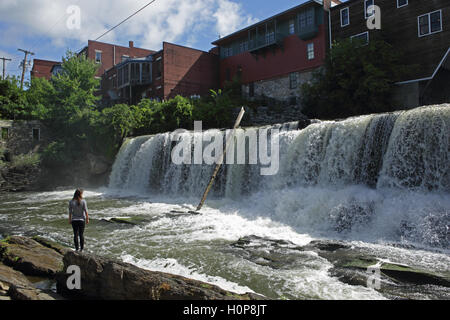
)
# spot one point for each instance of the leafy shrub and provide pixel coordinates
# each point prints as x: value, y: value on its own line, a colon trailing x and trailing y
x: 356, y: 80
x: 26, y: 160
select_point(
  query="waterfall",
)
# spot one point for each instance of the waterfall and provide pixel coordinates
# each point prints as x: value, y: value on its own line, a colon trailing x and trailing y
x: 386, y: 170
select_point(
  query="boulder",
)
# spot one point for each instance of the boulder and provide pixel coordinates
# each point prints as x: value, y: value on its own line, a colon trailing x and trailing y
x: 107, y: 279
x: 9, y: 277
x: 30, y: 257
x: 30, y: 294
x: 52, y: 245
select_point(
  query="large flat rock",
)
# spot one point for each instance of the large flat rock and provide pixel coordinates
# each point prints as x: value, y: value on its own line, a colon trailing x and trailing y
x: 30, y: 257
x: 107, y: 279
x: 31, y: 294
x: 9, y: 277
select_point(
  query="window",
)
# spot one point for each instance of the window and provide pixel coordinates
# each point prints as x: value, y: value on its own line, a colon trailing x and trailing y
x: 36, y: 134
x: 362, y: 37
x: 98, y: 57
x: 310, y: 51
x: 124, y: 58
x: 270, y: 36
x: 402, y: 3
x: 159, y: 69
x: 306, y: 18
x: 243, y: 46
x: 5, y: 133
x: 430, y: 23
x: 367, y: 4
x: 251, y: 89
x: 227, y: 52
x: 291, y: 27
x: 293, y: 80
x: 345, y: 18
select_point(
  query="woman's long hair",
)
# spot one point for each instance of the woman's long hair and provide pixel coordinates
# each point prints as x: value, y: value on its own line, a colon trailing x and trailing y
x: 78, y: 196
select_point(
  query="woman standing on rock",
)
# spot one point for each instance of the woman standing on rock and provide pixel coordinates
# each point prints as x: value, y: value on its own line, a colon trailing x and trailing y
x: 78, y: 217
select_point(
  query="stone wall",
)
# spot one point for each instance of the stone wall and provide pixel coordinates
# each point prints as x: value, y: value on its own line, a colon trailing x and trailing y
x: 273, y: 114
x: 22, y: 137
x: 278, y: 88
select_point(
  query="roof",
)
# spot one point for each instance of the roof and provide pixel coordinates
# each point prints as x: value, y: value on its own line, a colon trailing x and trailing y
x: 319, y: 2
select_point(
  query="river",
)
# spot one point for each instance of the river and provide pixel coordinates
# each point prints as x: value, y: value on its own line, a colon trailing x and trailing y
x: 379, y: 183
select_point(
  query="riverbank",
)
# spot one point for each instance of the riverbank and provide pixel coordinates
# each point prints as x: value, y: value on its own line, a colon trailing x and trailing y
x: 34, y: 269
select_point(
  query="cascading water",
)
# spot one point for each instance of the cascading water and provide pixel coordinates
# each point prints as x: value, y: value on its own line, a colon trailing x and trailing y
x: 378, y: 177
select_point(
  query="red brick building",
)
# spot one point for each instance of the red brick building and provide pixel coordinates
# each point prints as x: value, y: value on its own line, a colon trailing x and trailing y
x: 274, y: 57
x: 43, y: 68
x: 174, y: 70
x: 419, y: 29
x: 108, y: 55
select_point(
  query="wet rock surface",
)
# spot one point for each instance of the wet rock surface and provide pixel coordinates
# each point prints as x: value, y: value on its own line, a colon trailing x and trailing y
x: 30, y: 257
x: 28, y: 268
x: 103, y: 278
x: 350, y: 266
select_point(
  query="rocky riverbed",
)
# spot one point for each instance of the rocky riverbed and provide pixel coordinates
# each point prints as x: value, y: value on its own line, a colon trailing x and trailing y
x: 34, y: 269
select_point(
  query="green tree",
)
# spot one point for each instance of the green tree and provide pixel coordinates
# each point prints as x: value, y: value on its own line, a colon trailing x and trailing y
x: 357, y: 79
x: 13, y: 104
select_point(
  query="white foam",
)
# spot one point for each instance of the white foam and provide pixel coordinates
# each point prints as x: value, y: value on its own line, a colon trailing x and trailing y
x: 174, y: 267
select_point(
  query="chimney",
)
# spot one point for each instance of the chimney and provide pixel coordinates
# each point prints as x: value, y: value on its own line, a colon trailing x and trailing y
x: 326, y: 5
x: 131, y: 44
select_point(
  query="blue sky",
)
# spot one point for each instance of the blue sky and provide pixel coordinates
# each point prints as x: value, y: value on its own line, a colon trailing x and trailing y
x: 41, y: 25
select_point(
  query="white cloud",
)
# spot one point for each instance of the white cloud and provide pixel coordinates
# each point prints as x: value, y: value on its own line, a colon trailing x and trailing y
x: 165, y: 20
x: 230, y: 17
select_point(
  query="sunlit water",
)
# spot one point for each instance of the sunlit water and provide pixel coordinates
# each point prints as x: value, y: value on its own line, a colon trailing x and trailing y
x: 198, y: 246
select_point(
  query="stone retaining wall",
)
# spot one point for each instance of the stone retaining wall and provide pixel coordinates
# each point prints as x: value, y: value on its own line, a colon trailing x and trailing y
x: 22, y: 137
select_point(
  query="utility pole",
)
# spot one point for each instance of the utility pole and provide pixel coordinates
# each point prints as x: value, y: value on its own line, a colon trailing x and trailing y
x: 24, y: 67
x: 4, y: 62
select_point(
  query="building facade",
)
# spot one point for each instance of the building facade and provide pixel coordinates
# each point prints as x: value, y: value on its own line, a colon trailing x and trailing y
x: 419, y: 29
x: 274, y: 57
x: 108, y: 55
x: 174, y: 70
x: 43, y: 68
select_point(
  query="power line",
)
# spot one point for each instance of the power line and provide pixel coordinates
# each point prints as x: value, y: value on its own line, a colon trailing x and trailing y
x: 104, y: 34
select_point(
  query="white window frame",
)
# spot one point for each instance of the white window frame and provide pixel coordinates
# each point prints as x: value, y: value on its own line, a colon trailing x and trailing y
x: 365, y: 8
x: 310, y: 49
x: 348, y: 15
x: 429, y: 23
x: 356, y: 35
x: 403, y: 5
x: 101, y: 56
